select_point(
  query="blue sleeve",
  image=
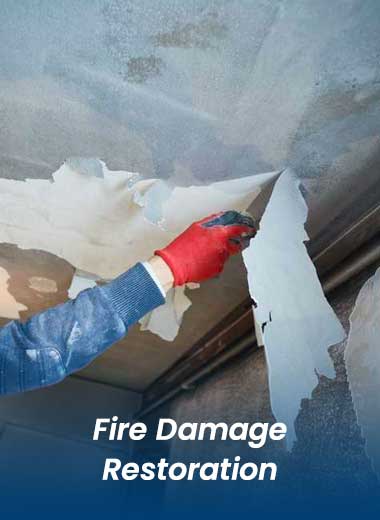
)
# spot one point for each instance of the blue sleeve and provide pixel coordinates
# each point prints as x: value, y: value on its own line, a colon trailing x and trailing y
x: 63, y: 339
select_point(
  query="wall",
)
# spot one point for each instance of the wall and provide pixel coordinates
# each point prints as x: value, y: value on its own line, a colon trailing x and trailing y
x: 329, y: 454
x: 47, y: 456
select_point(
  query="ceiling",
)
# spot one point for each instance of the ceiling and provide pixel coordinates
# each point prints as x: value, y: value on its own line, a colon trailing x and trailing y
x: 195, y: 91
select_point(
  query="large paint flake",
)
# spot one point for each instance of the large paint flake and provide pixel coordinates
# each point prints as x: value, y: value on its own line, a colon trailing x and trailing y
x: 298, y: 325
x: 103, y: 221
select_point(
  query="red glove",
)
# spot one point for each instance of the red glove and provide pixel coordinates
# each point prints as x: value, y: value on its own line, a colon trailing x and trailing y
x: 201, y: 251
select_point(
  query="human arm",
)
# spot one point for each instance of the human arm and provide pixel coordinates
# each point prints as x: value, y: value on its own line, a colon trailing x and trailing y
x: 57, y: 342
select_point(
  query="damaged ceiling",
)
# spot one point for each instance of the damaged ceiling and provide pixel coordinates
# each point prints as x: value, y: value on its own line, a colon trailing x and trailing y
x: 192, y: 93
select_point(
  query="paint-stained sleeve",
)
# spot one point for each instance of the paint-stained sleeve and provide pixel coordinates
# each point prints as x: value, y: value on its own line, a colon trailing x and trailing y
x: 53, y: 344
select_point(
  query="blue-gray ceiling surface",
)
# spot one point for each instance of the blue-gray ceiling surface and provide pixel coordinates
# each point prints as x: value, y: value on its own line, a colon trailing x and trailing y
x: 197, y: 90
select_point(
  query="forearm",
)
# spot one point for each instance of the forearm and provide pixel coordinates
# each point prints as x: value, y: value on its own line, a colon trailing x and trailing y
x: 52, y: 344
x: 57, y: 342
x: 161, y: 272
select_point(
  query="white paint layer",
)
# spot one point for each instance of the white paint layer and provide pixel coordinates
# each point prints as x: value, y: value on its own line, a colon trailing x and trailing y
x: 103, y: 221
x: 9, y: 307
x: 166, y: 320
x: 43, y: 285
x: 298, y: 323
x: 362, y: 356
x: 80, y: 283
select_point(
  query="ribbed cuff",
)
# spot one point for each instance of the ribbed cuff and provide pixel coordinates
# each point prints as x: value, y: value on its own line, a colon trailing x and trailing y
x: 133, y: 294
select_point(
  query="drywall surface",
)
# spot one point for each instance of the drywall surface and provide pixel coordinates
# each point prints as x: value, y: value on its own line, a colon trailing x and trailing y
x: 103, y: 222
x: 297, y: 323
x: 362, y: 356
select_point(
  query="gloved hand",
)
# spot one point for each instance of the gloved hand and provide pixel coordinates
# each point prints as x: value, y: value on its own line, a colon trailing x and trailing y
x: 201, y: 251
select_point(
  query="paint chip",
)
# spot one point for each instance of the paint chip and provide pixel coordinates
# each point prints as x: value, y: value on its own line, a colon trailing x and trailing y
x: 9, y: 307
x: 43, y: 285
x: 297, y: 323
x: 166, y: 320
x: 79, y: 283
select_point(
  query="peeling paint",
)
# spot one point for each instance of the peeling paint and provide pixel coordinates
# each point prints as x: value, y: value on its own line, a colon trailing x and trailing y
x: 79, y: 283
x: 152, y: 199
x: 43, y: 285
x: 166, y: 320
x: 103, y: 223
x: 297, y: 323
x: 9, y: 307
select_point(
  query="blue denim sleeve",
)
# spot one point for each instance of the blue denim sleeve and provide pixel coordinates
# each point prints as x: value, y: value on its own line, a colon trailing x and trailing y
x: 52, y: 344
